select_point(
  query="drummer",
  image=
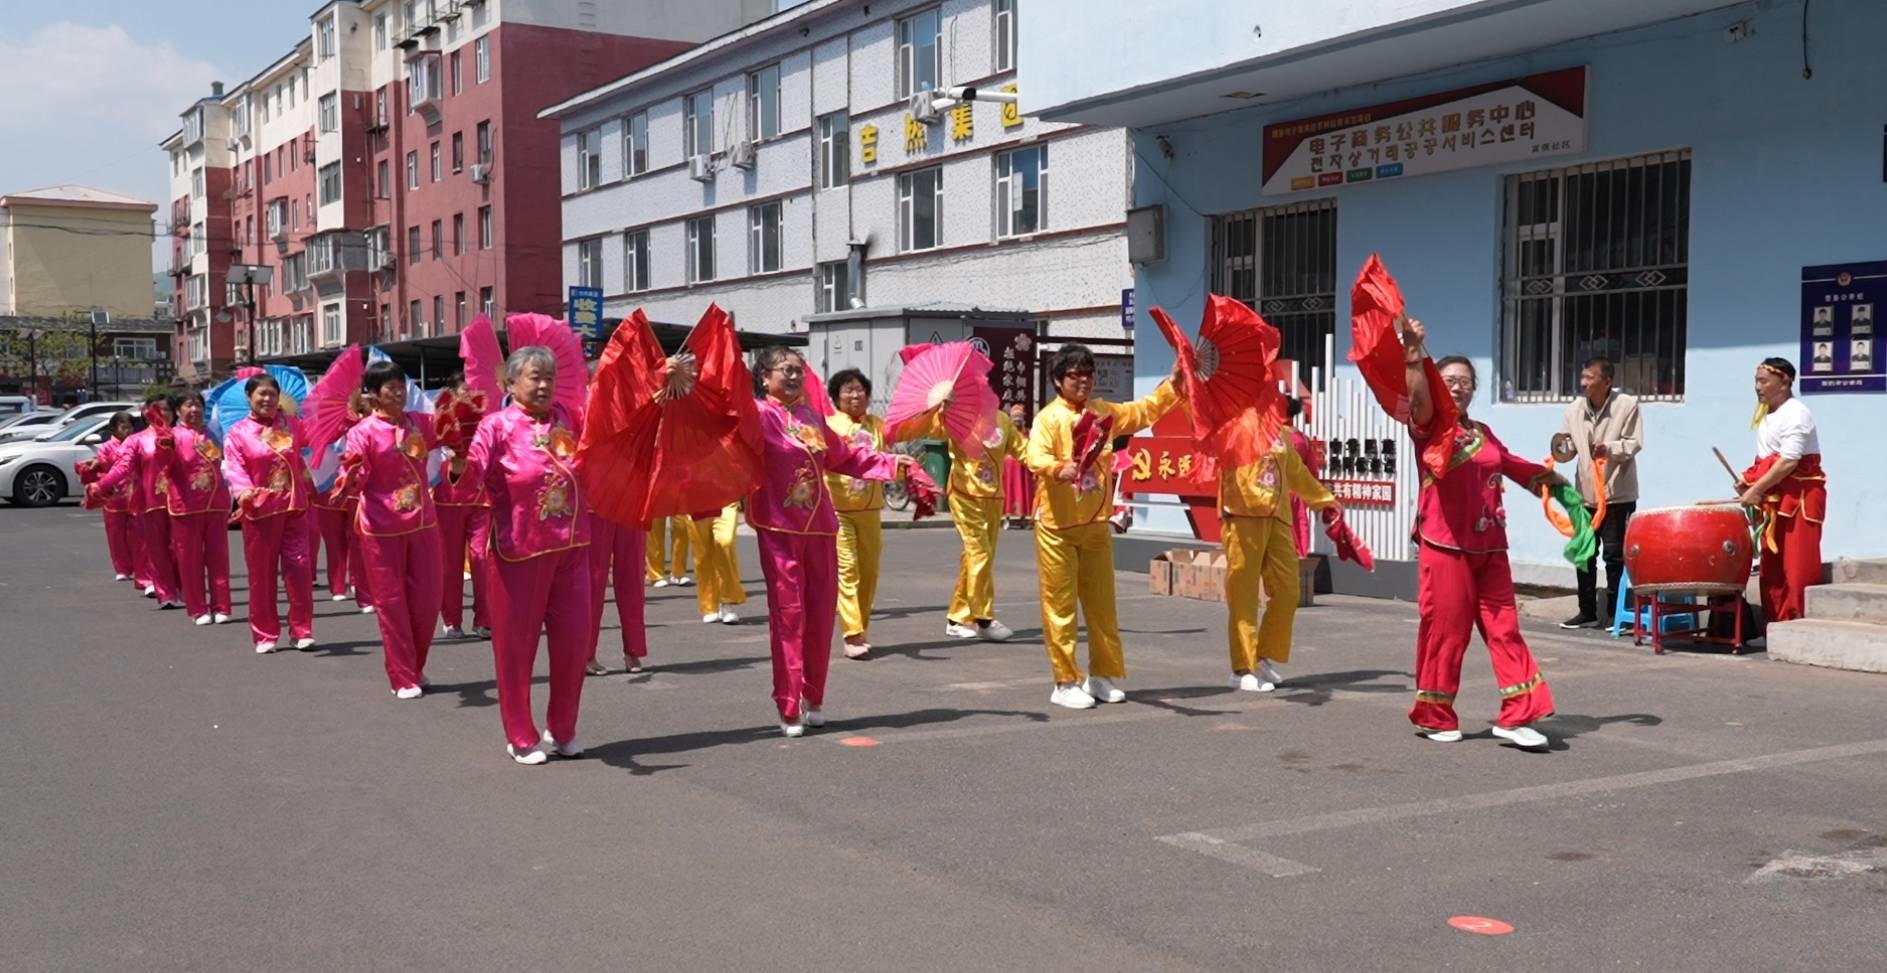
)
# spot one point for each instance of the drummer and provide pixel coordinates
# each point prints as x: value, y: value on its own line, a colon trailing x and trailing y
x: 1787, y: 485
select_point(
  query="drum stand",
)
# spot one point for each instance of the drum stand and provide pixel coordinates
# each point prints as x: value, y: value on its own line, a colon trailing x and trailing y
x: 1652, y: 609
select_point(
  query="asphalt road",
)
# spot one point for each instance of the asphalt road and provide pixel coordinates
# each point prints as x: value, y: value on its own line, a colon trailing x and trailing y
x: 174, y: 802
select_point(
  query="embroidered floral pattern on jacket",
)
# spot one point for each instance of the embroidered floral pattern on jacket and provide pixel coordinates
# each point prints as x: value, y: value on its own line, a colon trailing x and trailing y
x: 804, y: 493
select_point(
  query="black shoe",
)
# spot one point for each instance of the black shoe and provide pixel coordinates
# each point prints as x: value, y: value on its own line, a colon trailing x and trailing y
x: 1581, y: 620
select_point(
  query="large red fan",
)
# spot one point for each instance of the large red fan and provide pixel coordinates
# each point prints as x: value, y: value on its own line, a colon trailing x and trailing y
x: 1376, y: 315
x: 951, y: 381
x: 668, y: 438
x: 327, y: 411
x: 484, y: 361
x: 573, y: 372
x: 1229, y: 373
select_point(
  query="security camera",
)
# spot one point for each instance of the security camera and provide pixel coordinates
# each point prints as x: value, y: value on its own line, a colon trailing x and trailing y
x: 970, y: 93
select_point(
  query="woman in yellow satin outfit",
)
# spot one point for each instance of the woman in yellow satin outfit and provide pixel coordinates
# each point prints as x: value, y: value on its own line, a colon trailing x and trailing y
x: 717, y: 570
x: 858, y: 503
x: 1074, y: 544
x: 1257, y: 522
x: 673, y: 571
x: 976, y: 506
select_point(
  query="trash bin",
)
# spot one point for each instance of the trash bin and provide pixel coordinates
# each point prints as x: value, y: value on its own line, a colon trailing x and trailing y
x: 934, y: 456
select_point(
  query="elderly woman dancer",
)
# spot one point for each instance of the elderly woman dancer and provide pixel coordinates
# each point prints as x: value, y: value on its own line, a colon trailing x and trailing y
x: 384, y: 462
x: 793, y: 518
x: 464, y: 525
x: 540, y: 572
x: 262, y: 461
x: 199, y: 512
x: 137, y: 464
x: 121, y: 528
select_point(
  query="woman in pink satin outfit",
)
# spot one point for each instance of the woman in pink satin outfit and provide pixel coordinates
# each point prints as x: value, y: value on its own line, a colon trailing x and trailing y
x: 122, y: 536
x: 793, y: 518
x: 625, y: 548
x: 384, y: 463
x: 540, y: 571
x: 335, y: 514
x: 199, y: 511
x: 464, y: 525
x: 138, y: 466
x: 262, y: 461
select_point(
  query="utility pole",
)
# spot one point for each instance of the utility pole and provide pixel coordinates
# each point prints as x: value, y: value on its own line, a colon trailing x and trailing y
x: 99, y: 316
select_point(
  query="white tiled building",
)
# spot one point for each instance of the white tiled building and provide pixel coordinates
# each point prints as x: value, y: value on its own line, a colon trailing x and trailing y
x: 779, y: 171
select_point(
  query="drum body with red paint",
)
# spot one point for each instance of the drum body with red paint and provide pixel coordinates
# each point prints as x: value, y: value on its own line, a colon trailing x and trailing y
x: 1703, y: 549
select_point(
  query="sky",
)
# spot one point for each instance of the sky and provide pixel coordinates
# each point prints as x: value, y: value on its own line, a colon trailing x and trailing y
x: 89, y: 87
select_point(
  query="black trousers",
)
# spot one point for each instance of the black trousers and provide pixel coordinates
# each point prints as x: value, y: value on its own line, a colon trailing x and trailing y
x: 1612, y: 550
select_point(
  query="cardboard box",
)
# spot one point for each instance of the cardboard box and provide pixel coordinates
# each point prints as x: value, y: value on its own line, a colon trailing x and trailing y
x: 1307, y: 579
x: 1199, y: 575
x: 1160, y: 575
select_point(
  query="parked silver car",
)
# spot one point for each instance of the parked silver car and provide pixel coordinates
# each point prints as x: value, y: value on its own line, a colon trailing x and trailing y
x: 39, y: 473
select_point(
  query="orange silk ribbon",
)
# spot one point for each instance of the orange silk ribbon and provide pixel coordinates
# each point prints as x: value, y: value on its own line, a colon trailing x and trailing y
x: 1557, y: 517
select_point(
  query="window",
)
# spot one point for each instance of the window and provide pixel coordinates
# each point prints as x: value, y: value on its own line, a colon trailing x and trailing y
x: 330, y: 113
x: 482, y: 53
x: 834, y: 286
x: 268, y: 172
x: 199, y: 239
x: 458, y: 234
x: 330, y: 183
x: 1022, y: 191
x: 136, y: 349
x: 412, y: 170
x: 415, y: 323
x: 635, y: 144
x: 589, y: 160
x: 835, y: 150
x: 486, y: 305
x: 438, y: 239
x: 324, y: 38
x: 700, y: 249
x: 763, y: 101
x: 920, y: 209
x: 278, y: 217
x: 589, y: 263
x: 193, y: 127
x: 479, y: 16
x: 439, y: 312
x: 380, y: 108
x: 1595, y: 261
x: 320, y: 255
x: 294, y: 214
x: 484, y: 228
x: 331, y: 333
x: 436, y: 171
x: 458, y: 151
x: 196, y: 183
x: 412, y: 245
x: 635, y: 260
x: 383, y: 179
x: 1282, y: 262
x: 197, y: 293
x: 380, y: 32
x: 698, y: 124
x: 1005, y: 40
x: 422, y: 81
x: 458, y: 76
x: 377, y: 255
x: 920, y: 53
x: 484, y: 143
x: 458, y: 311
x: 763, y: 243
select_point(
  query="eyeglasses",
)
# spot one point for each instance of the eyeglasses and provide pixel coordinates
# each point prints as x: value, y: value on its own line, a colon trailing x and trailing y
x: 791, y: 371
x: 1458, y: 383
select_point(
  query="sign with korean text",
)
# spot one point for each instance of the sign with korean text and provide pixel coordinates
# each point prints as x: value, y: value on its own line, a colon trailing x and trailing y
x: 1838, y: 332
x: 1491, y: 124
x: 585, y: 312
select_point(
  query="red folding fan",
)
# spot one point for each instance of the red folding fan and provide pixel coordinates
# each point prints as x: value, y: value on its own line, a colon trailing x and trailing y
x: 1229, y: 372
x: 573, y: 372
x: 327, y: 412
x: 1376, y: 313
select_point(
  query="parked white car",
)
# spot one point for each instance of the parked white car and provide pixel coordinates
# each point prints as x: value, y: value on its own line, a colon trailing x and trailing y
x: 30, y: 426
x: 40, y: 473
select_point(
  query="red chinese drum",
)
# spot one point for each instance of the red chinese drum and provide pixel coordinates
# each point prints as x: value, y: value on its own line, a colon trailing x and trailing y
x: 1693, y: 550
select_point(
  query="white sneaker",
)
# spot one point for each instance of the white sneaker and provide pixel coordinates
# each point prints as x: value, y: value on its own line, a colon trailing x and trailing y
x: 1103, y: 690
x: 264, y: 648
x: 956, y: 631
x: 995, y: 631
x: 481, y: 631
x: 1524, y: 737
x: 661, y: 582
x: 710, y: 618
x: 468, y: 576
x: 1268, y: 673
x: 454, y: 632
x: 222, y: 618
x: 1247, y: 683
x: 305, y: 643
x: 730, y: 617
x: 204, y: 619
x: 814, y: 718
x: 338, y: 598
x: 1443, y: 736
x: 857, y: 650
x: 120, y: 577
x: 366, y: 609
x: 793, y: 730
x: 682, y: 581
x: 409, y: 692
x: 529, y: 756
x: 150, y: 591
x: 1073, y: 697
x: 569, y: 749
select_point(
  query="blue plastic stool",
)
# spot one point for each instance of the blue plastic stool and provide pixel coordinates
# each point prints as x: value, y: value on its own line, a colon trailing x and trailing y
x: 1623, y: 622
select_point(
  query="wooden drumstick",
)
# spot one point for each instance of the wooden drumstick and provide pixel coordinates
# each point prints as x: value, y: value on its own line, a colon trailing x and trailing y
x: 1726, y: 465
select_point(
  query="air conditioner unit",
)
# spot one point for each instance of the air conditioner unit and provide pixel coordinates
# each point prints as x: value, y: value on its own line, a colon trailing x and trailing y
x: 234, y: 145
x: 742, y: 155
x: 481, y: 173
x: 924, y: 106
x: 701, y: 168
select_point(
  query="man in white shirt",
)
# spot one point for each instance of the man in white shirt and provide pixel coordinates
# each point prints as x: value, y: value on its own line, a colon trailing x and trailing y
x: 1602, y: 424
x: 1788, y: 487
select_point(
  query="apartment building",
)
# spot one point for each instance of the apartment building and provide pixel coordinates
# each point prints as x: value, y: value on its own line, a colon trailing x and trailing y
x: 785, y: 169
x: 388, y: 176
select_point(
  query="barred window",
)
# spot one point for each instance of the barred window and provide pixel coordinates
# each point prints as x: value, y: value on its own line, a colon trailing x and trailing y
x: 1595, y: 262
x: 1282, y: 262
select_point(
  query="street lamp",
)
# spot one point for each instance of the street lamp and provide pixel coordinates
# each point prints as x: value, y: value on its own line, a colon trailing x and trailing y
x: 250, y: 275
x: 100, y: 316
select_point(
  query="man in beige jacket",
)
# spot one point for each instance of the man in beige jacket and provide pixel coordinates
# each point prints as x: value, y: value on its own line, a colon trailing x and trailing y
x: 1603, y: 422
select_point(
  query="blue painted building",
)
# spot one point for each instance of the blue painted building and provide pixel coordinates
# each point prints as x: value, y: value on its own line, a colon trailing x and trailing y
x: 1716, y: 151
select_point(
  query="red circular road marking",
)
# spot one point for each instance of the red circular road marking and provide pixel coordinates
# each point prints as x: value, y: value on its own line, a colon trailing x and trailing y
x: 1480, y: 925
x: 859, y: 742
